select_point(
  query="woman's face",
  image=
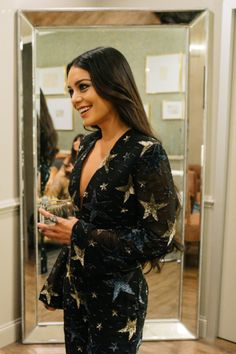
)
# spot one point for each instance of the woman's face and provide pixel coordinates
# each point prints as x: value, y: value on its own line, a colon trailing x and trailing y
x: 93, y: 109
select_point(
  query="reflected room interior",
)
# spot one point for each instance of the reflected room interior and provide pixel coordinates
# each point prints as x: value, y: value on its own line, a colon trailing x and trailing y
x: 168, y: 57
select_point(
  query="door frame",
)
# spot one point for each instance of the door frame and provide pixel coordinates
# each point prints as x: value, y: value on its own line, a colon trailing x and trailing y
x: 221, y: 166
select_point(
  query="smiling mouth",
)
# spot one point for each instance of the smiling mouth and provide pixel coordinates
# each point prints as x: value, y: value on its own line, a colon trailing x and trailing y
x: 84, y: 109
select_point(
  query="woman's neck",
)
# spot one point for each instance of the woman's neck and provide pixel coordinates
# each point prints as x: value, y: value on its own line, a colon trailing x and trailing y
x: 113, y: 131
x: 110, y: 135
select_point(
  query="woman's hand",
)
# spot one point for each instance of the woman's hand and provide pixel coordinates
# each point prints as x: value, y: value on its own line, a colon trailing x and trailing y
x: 59, y: 231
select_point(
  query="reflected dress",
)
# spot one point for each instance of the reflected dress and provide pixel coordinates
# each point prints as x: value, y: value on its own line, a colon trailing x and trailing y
x: 126, y: 218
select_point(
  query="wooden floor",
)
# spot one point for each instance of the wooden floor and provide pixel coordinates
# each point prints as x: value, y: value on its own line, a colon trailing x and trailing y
x: 170, y: 347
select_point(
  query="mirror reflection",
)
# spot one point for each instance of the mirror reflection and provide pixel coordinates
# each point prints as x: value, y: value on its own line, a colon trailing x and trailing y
x: 171, y: 132
x: 168, y: 60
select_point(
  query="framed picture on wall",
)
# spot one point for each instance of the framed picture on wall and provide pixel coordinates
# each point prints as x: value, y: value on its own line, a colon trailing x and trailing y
x: 165, y: 73
x: 51, y: 80
x: 61, y: 112
x: 173, y: 110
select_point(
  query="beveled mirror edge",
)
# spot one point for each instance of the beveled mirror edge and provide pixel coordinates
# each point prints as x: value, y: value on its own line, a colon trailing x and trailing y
x: 206, y: 16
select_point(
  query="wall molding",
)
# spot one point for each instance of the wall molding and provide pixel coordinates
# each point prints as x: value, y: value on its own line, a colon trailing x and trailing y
x: 10, y: 332
x: 9, y: 206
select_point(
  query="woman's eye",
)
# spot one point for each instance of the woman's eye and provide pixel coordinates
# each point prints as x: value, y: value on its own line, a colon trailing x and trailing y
x: 70, y: 92
x: 83, y: 87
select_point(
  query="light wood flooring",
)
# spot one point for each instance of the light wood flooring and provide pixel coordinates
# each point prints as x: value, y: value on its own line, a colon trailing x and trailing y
x: 169, y: 347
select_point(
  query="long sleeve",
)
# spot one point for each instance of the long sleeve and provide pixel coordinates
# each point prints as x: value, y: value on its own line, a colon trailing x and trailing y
x: 150, y: 183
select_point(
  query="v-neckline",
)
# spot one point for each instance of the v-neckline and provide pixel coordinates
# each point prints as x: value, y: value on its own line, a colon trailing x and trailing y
x: 87, y: 152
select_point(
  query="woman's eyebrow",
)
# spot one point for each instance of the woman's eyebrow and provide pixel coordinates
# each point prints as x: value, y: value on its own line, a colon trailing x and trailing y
x: 79, y: 81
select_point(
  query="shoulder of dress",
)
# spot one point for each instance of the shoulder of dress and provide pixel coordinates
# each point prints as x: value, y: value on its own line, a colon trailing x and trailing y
x: 87, y: 139
x: 142, y: 143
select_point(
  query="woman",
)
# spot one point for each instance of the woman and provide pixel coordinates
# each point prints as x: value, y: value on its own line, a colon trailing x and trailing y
x: 57, y: 185
x: 123, y: 188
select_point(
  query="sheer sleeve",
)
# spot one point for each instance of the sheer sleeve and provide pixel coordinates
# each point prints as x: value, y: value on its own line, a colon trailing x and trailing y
x: 157, y: 202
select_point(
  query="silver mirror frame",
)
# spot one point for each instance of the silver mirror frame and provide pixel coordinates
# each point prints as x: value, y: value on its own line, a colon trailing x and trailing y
x: 36, y: 332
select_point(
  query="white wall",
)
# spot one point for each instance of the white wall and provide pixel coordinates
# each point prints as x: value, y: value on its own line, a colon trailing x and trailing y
x: 9, y: 190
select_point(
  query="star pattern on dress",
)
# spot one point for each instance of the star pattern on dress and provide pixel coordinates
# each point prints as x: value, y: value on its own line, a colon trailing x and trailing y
x: 103, y: 186
x: 118, y: 286
x: 129, y: 328
x: 79, y: 255
x: 126, y: 138
x: 92, y: 243
x: 141, y: 184
x: 68, y: 272
x: 48, y: 292
x: 127, y: 189
x: 114, y: 313
x: 76, y: 297
x: 123, y: 210
x: 107, y: 160
x: 146, y: 145
x: 85, y: 194
x: 94, y: 295
x: 151, y: 208
x: 121, y: 286
x: 96, y: 208
x: 114, y: 347
x: 99, y: 326
x: 126, y: 156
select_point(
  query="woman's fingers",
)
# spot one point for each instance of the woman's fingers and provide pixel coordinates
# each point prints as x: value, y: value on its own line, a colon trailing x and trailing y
x: 59, y: 229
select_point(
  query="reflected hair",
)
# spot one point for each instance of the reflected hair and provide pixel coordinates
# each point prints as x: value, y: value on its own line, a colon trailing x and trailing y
x: 113, y: 80
x: 48, y: 134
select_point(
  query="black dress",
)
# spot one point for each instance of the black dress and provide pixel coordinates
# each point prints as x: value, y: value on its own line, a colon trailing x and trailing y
x: 127, y: 217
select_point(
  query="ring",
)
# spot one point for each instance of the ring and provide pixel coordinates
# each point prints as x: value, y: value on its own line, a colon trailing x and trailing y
x: 53, y: 219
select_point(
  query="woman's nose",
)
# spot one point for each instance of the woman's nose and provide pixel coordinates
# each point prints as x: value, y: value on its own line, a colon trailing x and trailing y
x: 76, y: 98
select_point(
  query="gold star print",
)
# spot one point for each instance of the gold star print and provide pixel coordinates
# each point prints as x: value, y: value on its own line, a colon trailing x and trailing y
x: 92, y: 243
x: 146, y: 145
x: 79, y: 255
x: 104, y: 186
x: 99, y: 326
x: 123, y: 210
x: 107, y: 161
x: 68, y: 273
x: 85, y: 194
x: 129, y: 328
x: 151, y: 207
x: 75, y: 296
x: 114, y: 313
x: 128, y: 189
x: 48, y: 292
x: 126, y: 138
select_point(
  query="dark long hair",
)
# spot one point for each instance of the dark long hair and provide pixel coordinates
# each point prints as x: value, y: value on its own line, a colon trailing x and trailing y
x: 48, y: 134
x: 113, y: 80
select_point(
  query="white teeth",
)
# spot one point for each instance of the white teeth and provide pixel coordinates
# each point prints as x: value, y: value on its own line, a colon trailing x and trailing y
x: 84, y: 109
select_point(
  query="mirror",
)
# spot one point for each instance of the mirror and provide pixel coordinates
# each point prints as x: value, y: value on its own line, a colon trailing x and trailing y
x: 168, y: 55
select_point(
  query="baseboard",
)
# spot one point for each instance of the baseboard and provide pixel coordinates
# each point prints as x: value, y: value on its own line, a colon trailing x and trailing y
x: 202, y: 327
x: 10, y: 332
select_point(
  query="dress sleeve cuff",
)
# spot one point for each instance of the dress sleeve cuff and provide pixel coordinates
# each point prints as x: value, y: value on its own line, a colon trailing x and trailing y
x: 81, y: 233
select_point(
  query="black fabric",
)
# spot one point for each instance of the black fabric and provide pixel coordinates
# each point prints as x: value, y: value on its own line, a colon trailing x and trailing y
x: 126, y: 217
